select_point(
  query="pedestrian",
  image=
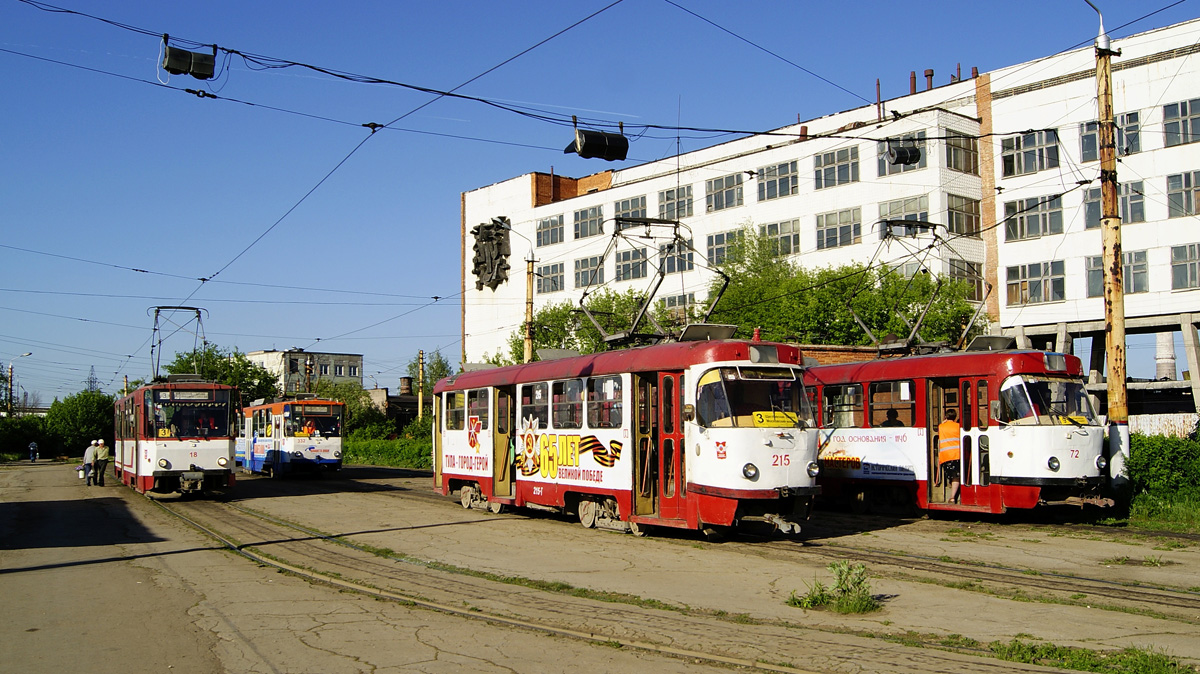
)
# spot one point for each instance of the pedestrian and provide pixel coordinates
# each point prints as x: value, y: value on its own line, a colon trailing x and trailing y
x: 950, y: 451
x: 101, y: 461
x: 89, y: 458
x: 33, y: 453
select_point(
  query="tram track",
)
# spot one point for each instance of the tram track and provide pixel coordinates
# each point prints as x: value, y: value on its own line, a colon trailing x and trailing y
x: 681, y: 632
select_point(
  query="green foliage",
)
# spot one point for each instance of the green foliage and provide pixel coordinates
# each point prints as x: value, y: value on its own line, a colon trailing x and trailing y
x: 17, y: 432
x: 412, y: 449
x: 565, y: 326
x: 1164, y: 467
x: 1131, y: 660
x: 73, y: 422
x: 851, y: 591
x: 226, y: 366
x: 812, y: 306
x: 436, y: 367
x: 362, y: 420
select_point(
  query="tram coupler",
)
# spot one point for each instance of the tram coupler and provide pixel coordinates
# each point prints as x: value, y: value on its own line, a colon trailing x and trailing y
x: 783, y: 526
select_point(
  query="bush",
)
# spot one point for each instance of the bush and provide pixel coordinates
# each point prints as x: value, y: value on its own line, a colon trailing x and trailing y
x: 1164, y: 467
x: 17, y: 432
x: 851, y: 591
x: 413, y: 449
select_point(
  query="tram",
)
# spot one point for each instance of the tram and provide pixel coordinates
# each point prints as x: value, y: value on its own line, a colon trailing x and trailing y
x: 1029, y: 435
x: 690, y: 434
x: 291, y: 436
x: 176, y: 436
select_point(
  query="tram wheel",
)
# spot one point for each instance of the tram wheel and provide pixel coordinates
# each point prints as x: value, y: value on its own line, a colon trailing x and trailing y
x: 637, y: 529
x: 495, y: 507
x: 588, y: 513
x: 467, y: 496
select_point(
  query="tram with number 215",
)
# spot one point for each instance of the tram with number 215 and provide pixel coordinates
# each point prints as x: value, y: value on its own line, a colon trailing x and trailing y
x: 291, y: 436
x: 1028, y: 433
x: 176, y: 436
x: 690, y: 434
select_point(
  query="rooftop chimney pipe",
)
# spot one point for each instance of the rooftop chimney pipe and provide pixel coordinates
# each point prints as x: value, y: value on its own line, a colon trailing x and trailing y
x: 928, y: 79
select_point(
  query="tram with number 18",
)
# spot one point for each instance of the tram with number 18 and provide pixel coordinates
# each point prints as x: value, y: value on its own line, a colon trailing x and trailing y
x: 291, y: 436
x: 1028, y: 433
x: 690, y: 434
x: 176, y: 436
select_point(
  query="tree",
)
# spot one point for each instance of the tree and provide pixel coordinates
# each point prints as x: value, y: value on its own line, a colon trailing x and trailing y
x: 436, y: 367
x: 565, y: 326
x: 362, y: 420
x: 226, y: 366
x: 76, y: 420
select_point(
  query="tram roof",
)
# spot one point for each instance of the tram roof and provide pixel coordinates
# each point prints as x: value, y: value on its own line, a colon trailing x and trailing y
x: 659, y: 357
x: 954, y: 364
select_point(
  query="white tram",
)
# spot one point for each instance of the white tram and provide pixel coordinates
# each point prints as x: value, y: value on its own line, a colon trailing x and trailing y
x: 697, y: 434
x: 176, y: 436
x: 291, y: 436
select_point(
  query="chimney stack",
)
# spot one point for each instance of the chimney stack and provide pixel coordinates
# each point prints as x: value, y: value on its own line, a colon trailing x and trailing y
x: 928, y: 79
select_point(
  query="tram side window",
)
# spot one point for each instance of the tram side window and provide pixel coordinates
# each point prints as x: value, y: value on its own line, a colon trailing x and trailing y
x: 604, y: 402
x: 568, y: 403
x: 893, y: 403
x: 535, y: 403
x: 456, y: 410
x: 981, y: 397
x: 844, y: 405
x: 477, y: 406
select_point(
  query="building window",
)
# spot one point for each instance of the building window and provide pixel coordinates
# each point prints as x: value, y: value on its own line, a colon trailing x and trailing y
x: 324, y: 369
x: 1128, y: 137
x: 634, y: 207
x: 339, y: 370
x: 293, y: 366
x: 1032, y: 218
x: 971, y: 273
x: 916, y: 208
x: 588, y: 272
x: 887, y: 168
x: 589, y: 222
x: 724, y: 192
x: 353, y: 370
x: 676, y: 203
x: 836, y: 168
x: 1181, y: 194
x: 839, y: 228
x: 785, y: 236
x: 676, y: 256
x: 677, y: 307
x: 1029, y: 153
x: 631, y: 264
x: 550, y: 278
x: 1036, y: 283
x: 906, y: 269
x: 718, y: 245
x: 1181, y: 122
x: 1185, y: 266
x: 962, y: 215
x: 550, y: 230
x: 1135, y: 273
x: 962, y: 152
x: 780, y: 180
x: 1133, y: 208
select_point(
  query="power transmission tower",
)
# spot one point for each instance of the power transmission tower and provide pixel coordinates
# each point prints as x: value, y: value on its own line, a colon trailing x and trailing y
x: 93, y: 384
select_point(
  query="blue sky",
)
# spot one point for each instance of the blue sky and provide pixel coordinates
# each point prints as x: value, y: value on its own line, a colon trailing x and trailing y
x: 109, y: 166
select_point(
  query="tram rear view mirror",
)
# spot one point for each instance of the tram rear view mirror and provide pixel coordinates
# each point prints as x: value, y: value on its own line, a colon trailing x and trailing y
x: 689, y: 412
x: 994, y: 408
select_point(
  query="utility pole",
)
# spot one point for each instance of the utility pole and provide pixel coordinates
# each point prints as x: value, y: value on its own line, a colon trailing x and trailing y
x: 529, y: 308
x: 1114, y: 290
x: 420, y: 384
x: 10, y: 387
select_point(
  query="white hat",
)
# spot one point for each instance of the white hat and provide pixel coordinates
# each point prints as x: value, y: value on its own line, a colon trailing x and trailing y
x: 93, y: 442
x: 100, y: 441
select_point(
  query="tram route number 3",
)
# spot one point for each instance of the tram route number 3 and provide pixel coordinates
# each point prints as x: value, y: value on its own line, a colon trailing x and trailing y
x: 781, y: 459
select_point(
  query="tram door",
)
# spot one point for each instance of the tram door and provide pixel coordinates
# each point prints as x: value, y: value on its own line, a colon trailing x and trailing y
x: 437, y: 441
x: 943, y: 395
x: 670, y: 443
x: 503, y: 451
x: 645, y: 431
x: 976, y: 471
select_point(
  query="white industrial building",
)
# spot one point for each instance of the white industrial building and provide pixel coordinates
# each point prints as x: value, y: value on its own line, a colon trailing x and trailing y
x: 1009, y: 171
x: 297, y: 370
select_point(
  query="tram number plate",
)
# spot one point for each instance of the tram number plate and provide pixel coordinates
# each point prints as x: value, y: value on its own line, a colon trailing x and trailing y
x: 781, y: 459
x: 1074, y: 453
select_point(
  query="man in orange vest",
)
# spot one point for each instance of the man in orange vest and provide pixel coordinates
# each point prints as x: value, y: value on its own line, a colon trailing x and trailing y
x: 950, y: 451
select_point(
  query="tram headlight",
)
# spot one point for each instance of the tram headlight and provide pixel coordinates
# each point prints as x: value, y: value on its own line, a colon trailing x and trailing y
x: 813, y: 469
x: 222, y: 461
x: 1053, y: 464
x: 750, y: 471
x: 163, y: 463
x: 337, y: 453
x: 1101, y: 462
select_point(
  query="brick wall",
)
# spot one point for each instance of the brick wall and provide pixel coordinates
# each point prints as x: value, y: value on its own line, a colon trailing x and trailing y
x: 831, y: 354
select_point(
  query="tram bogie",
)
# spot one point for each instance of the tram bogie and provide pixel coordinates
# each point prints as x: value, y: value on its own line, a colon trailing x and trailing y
x: 176, y: 436
x: 291, y: 436
x: 689, y: 435
x: 1029, y: 436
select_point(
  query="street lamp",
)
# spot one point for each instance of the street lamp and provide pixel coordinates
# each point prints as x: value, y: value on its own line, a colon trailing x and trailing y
x: 10, y: 381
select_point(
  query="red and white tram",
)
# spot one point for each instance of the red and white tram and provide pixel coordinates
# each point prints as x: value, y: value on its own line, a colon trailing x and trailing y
x: 1029, y: 434
x: 176, y: 436
x: 695, y: 434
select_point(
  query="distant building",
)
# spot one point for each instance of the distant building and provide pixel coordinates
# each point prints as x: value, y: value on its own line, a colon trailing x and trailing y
x: 1007, y: 173
x: 296, y: 370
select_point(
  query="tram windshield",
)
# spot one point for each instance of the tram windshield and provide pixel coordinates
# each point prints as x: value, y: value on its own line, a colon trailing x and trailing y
x: 1029, y: 401
x: 749, y: 397
x: 321, y: 421
x: 189, y: 414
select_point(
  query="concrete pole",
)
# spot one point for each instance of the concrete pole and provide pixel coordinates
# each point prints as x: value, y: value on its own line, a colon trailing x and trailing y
x: 1114, y: 291
x: 10, y: 394
x: 420, y: 384
x: 1164, y: 356
x: 529, y: 309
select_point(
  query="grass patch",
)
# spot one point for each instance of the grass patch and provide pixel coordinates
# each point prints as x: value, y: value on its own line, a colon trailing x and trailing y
x: 398, y: 453
x: 1131, y: 660
x: 851, y: 591
x: 1116, y: 561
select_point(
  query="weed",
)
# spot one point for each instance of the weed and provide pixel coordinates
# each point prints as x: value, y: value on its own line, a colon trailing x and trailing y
x: 851, y: 591
x: 959, y: 641
x: 1131, y: 660
x: 1153, y: 560
x: 1032, y: 572
x: 1116, y: 561
x: 1078, y: 595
